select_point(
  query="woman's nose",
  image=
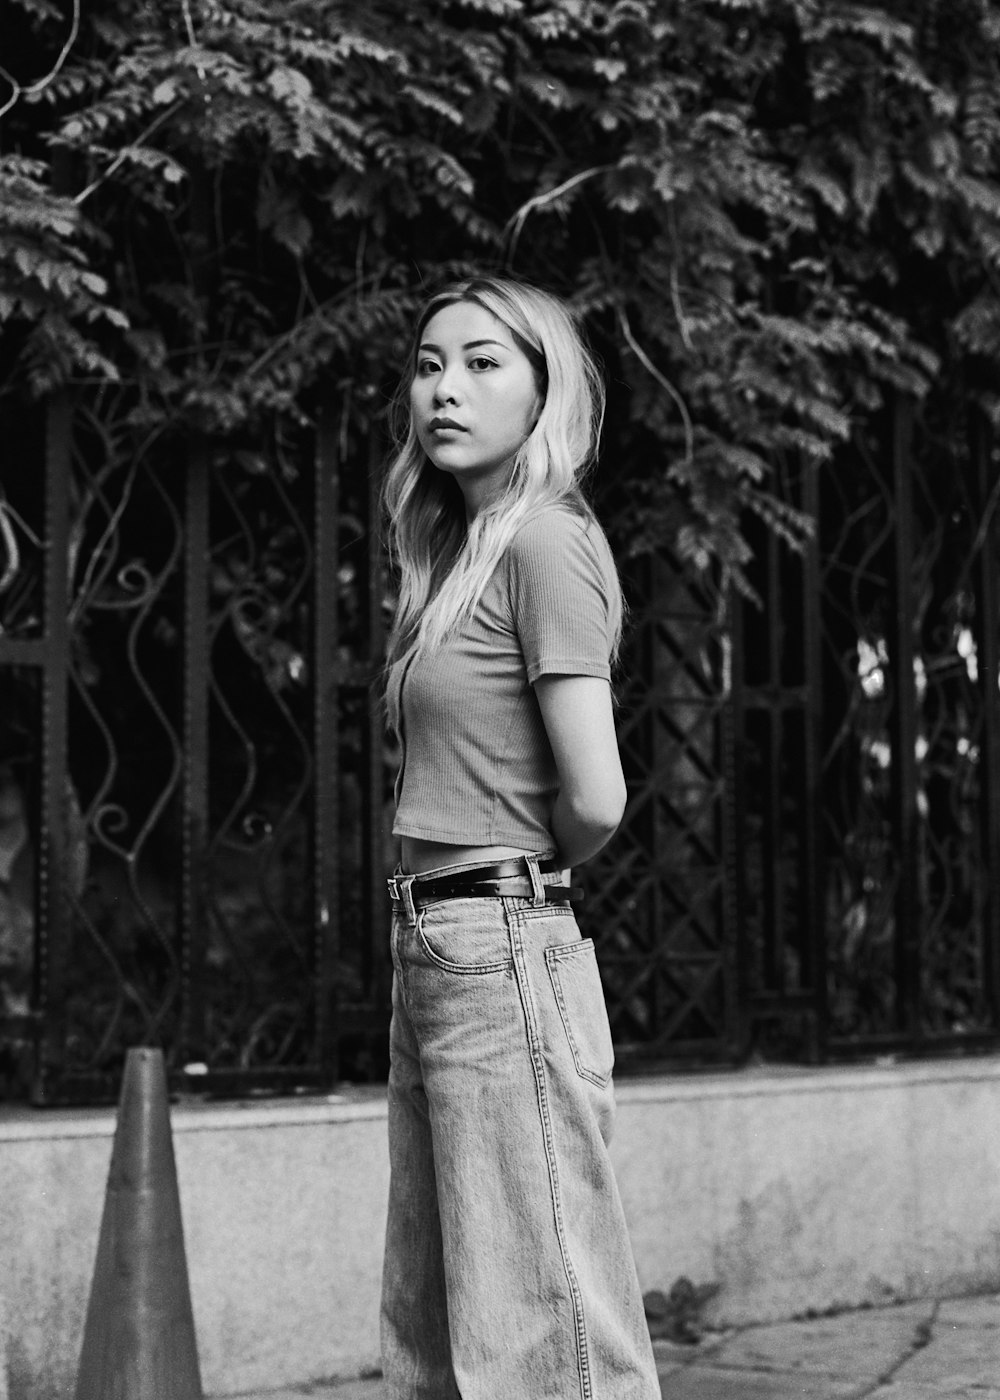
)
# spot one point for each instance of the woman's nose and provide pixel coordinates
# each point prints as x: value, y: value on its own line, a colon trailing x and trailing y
x: 446, y: 389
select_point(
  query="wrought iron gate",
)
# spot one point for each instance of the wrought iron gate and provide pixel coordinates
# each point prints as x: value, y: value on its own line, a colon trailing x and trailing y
x: 869, y: 716
x: 188, y: 649
x: 194, y: 780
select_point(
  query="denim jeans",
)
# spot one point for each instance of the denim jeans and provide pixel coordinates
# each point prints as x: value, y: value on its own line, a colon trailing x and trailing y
x: 508, y: 1270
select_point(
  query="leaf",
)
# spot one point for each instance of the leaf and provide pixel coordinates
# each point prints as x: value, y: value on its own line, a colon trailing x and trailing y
x: 664, y: 180
x: 165, y: 91
x: 433, y: 102
x: 547, y: 89
x: 744, y: 463
x: 871, y: 172
x: 892, y: 35
x: 502, y: 9
x: 158, y: 161
x: 293, y: 230
x: 829, y: 189
x: 289, y: 85
x: 41, y: 10
x: 149, y: 346
x: 978, y: 194
x: 930, y: 239
x: 611, y: 69
x: 94, y: 284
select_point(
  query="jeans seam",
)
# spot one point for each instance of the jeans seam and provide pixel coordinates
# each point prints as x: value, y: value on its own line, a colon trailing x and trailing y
x: 398, y: 962
x: 545, y: 1117
x: 527, y: 910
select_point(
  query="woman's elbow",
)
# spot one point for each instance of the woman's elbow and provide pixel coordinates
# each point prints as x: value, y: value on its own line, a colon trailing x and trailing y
x: 616, y: 809
x: 601, y: 811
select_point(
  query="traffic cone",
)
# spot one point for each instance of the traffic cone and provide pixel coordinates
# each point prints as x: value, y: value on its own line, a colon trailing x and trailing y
x: 138, y: 1341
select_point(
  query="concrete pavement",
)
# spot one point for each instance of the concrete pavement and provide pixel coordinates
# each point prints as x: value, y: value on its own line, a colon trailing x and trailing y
x: 945, y: 1349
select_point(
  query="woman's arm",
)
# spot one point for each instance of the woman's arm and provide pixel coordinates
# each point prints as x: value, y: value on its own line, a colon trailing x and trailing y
x: 579, y: 721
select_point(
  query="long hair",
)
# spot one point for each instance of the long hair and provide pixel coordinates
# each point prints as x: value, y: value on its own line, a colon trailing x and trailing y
x: 444, y: 564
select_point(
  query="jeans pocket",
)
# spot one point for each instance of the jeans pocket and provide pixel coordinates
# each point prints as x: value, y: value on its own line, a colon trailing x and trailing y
x: 465, y: 936
x: 576, y: 983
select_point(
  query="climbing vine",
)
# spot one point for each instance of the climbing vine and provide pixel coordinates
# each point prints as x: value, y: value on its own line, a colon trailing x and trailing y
x: 770, y: 212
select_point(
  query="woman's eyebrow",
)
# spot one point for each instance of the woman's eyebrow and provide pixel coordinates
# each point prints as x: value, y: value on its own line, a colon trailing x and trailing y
x: 469, y: 345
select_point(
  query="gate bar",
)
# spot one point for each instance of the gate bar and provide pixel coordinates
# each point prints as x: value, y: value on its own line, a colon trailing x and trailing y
x: 326, y: 758
x: 904, y: 732
x: 988, y: 645
x: 194, y: 817
x: 53, y: 916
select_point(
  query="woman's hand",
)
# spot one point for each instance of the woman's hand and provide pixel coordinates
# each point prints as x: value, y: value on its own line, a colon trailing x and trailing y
x: 579, y: 721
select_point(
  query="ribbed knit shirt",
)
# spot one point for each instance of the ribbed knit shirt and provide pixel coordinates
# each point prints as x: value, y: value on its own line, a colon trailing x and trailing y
x: 477, y: 767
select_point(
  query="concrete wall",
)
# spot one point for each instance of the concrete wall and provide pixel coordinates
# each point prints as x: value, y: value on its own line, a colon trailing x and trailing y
x: 792, y: 1189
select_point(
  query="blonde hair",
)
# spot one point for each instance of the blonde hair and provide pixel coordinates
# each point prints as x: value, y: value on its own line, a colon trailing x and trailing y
x: 445, y: 564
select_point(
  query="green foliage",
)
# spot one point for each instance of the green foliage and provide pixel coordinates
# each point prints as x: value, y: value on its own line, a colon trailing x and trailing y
x: 47, y: 283
x: 772, y: 213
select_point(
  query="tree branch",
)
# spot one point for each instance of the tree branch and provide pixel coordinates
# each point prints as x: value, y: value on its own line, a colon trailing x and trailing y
x: 19, y: 90
x: 124, y: 153
x: 515, y: 223
x: 660, y: 378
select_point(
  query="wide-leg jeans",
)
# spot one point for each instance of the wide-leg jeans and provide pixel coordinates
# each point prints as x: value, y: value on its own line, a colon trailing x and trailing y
x: 508, y: 1271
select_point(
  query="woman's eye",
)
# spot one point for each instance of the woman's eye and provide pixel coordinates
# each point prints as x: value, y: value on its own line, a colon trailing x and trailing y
x: 482, y: 362
x: 427, y: 366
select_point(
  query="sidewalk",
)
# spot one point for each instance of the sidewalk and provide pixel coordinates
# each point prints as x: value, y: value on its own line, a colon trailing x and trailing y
x: 934, y: 1350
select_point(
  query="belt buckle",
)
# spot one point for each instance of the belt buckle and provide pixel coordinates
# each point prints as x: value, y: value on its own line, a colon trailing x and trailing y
x: 401, y: 892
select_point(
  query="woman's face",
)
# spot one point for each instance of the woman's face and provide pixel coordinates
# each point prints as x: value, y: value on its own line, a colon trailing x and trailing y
x: 473, y: 400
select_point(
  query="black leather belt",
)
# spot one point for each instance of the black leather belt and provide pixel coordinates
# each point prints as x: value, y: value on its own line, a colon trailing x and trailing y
x: 505, y: 877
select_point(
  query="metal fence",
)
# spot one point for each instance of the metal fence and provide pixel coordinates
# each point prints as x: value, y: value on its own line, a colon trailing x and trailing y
x: 869, y: 717
x: 194, y: 775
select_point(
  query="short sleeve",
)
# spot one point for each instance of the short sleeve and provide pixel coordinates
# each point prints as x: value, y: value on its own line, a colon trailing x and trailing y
x: 560, y: 573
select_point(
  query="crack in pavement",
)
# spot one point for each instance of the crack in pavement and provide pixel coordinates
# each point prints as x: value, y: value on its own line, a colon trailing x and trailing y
x: 923, y: 1335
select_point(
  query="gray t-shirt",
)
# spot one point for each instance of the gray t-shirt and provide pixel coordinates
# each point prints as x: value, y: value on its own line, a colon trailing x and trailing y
x: 476, y: 766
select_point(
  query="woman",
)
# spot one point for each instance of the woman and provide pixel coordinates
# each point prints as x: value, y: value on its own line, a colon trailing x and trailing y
x: 508, y: 1273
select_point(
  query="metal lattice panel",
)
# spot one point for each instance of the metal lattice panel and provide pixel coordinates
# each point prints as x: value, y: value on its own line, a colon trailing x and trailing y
x: 658, y: 898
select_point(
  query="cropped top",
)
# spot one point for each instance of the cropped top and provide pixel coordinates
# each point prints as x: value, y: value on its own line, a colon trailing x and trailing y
x: 476, y: 767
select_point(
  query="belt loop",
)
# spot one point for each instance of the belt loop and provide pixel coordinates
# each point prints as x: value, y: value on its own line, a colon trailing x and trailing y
x: 406, y: 891
x: 537, y: 885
